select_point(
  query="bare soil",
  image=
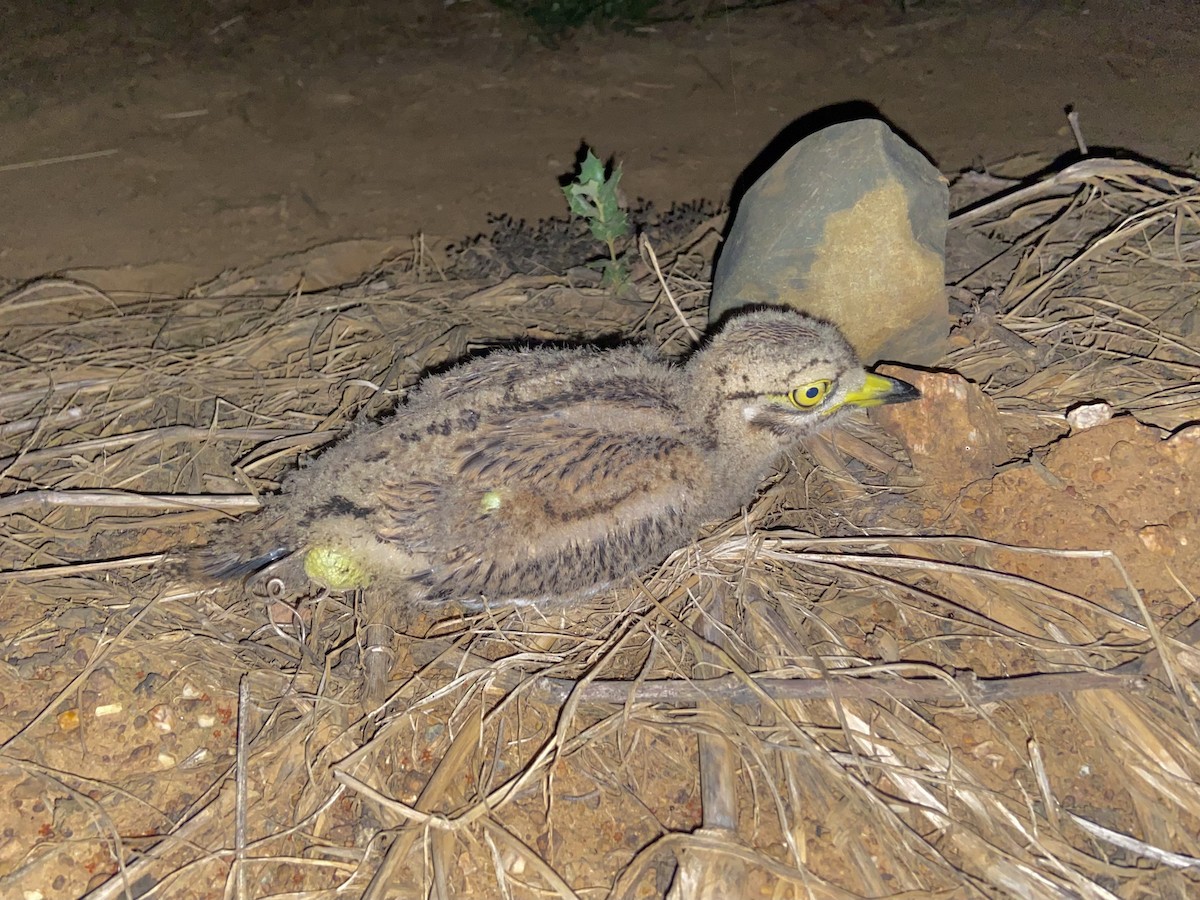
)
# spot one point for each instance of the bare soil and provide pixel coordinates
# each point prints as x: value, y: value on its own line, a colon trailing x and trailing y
x: 243, y: 132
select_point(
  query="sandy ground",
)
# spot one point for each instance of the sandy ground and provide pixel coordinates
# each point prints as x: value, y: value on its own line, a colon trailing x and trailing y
x: 237, y: 132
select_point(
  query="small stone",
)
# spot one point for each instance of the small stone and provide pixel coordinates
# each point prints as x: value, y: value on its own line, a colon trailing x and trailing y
x: 1184, y: 445
x: 163, y: 718
x: 849, y: 226
x: 1180, y: 520
x: 413, y: 783
x: 101, y: 680
x: 27, y: 790
x: 1088, y: 415
x: 953, y: 434
x: 1123, y: 454
x: 149, y: 685
x: 198, y: 757
x: 68, y: 720
x: 1158, y: 539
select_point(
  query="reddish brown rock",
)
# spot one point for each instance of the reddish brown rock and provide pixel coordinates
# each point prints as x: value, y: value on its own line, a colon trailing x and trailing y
x: 953, y: 434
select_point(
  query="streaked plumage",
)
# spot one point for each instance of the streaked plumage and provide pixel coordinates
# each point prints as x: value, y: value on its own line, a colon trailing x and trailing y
x: 541, y: 476
x: 538, y: 475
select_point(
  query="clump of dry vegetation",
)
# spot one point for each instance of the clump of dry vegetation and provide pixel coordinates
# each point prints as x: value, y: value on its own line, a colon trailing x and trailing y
x: 894, y: 708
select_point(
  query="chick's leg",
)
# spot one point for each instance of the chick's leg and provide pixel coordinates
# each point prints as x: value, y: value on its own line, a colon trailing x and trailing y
x: 378, y: 613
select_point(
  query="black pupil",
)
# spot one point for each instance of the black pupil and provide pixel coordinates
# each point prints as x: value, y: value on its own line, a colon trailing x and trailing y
x: 811, y: 393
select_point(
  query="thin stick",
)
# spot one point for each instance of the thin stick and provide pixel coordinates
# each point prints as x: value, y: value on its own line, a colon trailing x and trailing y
x: 151, y: 437
x: 441, y: 783
x: 1066, y: 181
x: 718, y: 759
x: 77, y: 569
x: 644, y: 244
x: 1133, y: 845
x: 240, y: 803
x: 864, y: 452
x: 126, y: 500
x: 1073, y: 121
x: 924, y: 683
x: 55, y: 160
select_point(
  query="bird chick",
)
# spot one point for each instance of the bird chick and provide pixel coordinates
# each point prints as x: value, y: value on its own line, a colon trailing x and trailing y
x: 536, y: 474
x: 532, y: 476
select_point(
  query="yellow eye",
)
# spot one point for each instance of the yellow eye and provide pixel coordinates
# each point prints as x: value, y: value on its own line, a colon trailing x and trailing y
x: 809, y: 395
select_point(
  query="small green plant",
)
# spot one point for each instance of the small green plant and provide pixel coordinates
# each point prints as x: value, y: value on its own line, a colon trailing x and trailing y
x: 593, y: 196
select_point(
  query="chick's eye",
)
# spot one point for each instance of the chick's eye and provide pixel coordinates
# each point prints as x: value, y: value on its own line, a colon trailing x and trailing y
x: 809, y: 395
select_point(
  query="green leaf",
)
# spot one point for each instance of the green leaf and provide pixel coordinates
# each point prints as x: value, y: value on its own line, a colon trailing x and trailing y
x: 594, y: 197
x: 580, y: 200
x: 591, y: 171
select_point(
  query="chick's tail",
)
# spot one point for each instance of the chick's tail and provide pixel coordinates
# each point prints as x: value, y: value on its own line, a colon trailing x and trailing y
x: 217, y: 565
x: 221, y: 563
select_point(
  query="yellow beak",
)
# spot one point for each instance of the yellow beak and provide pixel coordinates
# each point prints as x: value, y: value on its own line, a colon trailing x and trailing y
x: 880, y: 389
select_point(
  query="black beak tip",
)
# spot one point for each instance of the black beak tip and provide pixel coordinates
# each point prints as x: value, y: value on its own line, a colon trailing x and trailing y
x: 904, y: 392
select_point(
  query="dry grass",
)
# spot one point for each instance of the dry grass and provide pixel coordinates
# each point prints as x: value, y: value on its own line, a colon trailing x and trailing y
x: 861, y: 715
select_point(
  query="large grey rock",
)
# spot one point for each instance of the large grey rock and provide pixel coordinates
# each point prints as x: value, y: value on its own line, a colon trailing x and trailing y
x: 850, y: 226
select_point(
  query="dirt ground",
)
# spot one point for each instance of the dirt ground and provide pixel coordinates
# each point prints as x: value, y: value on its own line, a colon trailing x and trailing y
x: 139, y: 719
x: 238, y: 132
